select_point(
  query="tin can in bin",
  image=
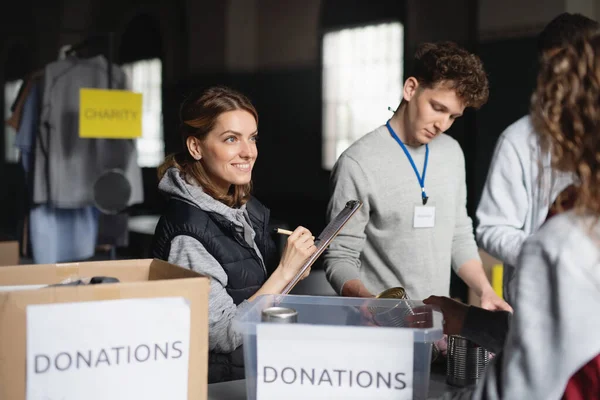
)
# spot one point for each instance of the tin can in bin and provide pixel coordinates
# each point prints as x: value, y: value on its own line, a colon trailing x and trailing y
x: 280, y: 315
x: 396, y: 316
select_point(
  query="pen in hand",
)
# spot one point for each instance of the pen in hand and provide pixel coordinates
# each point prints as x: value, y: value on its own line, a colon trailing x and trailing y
x: 285, y: 232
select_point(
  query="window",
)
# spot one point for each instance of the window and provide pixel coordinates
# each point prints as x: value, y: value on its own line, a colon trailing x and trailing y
x: 146, y: 77
x: 362, y: 77
x: 11, y: 90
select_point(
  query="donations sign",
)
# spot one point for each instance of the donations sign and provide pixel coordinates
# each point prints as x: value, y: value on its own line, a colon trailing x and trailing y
x: 296, y: 361
x: 110, y: 114
x: 114, y: 349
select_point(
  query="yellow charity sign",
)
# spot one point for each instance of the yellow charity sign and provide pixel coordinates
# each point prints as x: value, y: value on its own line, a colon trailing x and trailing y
x: 110, y: 114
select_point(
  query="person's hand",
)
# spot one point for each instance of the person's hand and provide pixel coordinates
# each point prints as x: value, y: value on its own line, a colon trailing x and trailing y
x: 442, y: 346
x: 454, y: 313
x: 491, y: 301
x: 355, y: 288
x: 366, y: 315
x: 299, y: 246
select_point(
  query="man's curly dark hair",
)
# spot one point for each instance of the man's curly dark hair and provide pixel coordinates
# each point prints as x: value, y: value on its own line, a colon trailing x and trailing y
x: 449, y: 64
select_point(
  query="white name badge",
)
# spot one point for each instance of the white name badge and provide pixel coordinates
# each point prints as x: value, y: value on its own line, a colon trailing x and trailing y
x: 424, y: 217
x: 298, y: 362
x: 114, y: 349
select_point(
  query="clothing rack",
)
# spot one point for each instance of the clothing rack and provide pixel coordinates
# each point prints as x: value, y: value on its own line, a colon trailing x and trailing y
x: 109, y: 37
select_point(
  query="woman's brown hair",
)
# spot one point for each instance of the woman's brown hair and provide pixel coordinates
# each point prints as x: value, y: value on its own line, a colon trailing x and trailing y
x: 565, y: 110
x: 198, y: 117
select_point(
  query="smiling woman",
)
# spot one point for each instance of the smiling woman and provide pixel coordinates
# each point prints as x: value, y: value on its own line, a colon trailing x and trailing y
x: 214, y: 226
x: 229, y: 150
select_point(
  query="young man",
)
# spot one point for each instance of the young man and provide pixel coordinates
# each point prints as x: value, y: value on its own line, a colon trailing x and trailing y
x: 517, y: 196
x: 411, y: 178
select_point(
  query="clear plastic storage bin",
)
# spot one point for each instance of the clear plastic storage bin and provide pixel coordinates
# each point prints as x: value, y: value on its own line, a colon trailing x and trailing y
x: 345, y: 311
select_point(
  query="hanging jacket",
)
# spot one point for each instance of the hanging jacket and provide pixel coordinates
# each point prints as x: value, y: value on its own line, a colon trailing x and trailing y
x: 66, y: 165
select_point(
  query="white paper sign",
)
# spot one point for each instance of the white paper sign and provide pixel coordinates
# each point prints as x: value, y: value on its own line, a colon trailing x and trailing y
x: 297, y: 361
x: 114, y: 349
x: 20, y: 287
x: 424, y: 217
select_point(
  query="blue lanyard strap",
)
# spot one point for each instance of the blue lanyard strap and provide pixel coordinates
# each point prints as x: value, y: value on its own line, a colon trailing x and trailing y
x: 419, y: 177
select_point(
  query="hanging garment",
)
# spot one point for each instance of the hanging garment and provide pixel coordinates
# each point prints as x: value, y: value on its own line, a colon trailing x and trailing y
x: 17, y: 107
x: 56, y: 235
x: 66, y: 166
x: 28, y: 125
x: 62, y: 235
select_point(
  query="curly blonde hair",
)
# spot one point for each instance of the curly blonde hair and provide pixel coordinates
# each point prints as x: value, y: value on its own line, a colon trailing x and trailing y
x: 565, y: 111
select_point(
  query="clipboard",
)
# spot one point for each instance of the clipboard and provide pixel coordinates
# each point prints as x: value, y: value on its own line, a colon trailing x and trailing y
x: 327, y: 235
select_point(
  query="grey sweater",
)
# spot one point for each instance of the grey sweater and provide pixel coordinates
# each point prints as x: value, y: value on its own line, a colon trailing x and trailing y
x: 554, y: 330
x: 189, y: 253
x: 379, y: 244
x: 520, y: 187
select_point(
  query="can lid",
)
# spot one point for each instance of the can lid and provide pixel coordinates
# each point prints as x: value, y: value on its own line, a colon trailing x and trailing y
x: 458, y: 340
x: 279, y: 314
x: 393, y: 293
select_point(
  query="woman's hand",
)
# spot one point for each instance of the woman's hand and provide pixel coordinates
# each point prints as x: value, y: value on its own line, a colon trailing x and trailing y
x: 491, y: 301
x: 298, y: 248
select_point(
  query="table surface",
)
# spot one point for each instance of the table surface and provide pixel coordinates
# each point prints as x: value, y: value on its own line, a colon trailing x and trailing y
x: 236, y: 390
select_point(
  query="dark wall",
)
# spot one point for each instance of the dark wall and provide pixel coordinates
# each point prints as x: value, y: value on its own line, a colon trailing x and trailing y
x: 288, y: 176
x: 190, y: 38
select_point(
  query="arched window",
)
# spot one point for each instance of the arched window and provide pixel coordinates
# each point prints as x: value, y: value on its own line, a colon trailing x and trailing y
x: 362, y: 70
x: 140, y: 54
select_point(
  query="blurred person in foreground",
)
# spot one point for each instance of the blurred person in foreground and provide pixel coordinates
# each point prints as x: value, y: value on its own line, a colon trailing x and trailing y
x: 550, y: 348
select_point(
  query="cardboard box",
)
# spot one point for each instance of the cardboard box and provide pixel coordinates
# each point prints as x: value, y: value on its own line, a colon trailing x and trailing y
x: 139, y: 279
x: 9, y: 253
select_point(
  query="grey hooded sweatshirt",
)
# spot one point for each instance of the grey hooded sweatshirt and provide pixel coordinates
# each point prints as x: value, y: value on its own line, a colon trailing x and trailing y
x: 554, y: 329
x: 190, y: 253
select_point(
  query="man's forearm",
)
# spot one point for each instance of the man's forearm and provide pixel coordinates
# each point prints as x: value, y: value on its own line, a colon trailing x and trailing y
x: 355, y: 288
x: 474, y: 276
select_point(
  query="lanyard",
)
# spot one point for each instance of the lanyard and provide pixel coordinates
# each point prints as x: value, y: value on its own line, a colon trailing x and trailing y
x: 419, y: 177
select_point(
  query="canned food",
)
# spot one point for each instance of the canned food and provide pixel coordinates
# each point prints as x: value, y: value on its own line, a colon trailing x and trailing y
x: 466, y: 362
x: 281, y: 315
x: 393, y: 293
x: 396, y: 316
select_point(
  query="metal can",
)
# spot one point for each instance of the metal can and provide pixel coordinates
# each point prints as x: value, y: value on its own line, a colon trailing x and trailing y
x: 393, y: 293
x: 466, y: 361
x: 397, y: 317
x: 280, y: 315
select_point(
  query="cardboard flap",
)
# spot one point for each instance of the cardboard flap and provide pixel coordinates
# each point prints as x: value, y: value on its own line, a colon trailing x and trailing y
x: 160, y: 270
